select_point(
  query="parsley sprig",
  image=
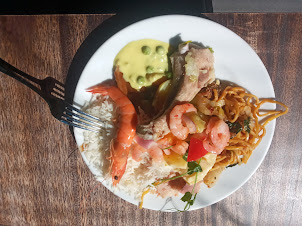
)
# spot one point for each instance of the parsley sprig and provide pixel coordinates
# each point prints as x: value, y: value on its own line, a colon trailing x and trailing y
x: 189, y: 197
x: 193, y: 167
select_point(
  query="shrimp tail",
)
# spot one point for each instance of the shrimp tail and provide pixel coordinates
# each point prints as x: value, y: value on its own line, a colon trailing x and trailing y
x: 101, y: 89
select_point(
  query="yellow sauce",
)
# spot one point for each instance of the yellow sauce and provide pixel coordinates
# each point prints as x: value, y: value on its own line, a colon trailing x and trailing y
x: 139, y: 68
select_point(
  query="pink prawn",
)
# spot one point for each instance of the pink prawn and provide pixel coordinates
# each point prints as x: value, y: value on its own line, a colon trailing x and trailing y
x: 176, y: 123
x: 218, y: 136
x: 120, y: 146
x: 154, y: 151
x: 170, y: 142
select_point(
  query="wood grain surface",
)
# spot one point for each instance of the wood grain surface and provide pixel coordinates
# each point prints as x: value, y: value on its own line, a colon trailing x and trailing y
x: 43, y: 179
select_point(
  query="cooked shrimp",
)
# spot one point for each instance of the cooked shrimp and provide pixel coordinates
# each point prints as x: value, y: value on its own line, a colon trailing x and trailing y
x: 180, y: 147
x: 210, y: 147
x: 211, y: 124
x: 120, y: 146
x: 170, y: 142
x: 189, y: 124
x: 137, y: 151
x: 156, y: 153
x: 167, y: 141
x: 218, y: 136
x: 176, y: 125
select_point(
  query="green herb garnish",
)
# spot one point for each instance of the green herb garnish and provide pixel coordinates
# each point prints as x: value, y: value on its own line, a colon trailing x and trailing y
x: 194, y: 167
x: 185, y: 156
x: 235, y: 127
x: 188, y: 197
x: 211, y: 49
x: 232, y: 165
x: 246, y: 124
x: 167, y: 147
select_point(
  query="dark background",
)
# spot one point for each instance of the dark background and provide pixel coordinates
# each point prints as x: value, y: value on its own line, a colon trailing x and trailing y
x: 106, y: 6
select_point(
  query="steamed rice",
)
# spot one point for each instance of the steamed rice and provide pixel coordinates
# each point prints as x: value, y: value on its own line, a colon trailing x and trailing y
x: 138, y: 175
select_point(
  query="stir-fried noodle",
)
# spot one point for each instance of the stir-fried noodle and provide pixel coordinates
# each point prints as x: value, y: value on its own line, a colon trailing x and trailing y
x: 239, y: 104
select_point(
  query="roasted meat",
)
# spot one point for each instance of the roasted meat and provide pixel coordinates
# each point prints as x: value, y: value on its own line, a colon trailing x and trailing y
x: 193, y: 69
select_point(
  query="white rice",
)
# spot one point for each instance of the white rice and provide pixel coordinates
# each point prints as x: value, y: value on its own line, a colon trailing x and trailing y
x: 138, y: 175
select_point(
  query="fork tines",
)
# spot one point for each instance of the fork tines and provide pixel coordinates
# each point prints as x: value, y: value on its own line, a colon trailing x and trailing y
x: 77, y: 118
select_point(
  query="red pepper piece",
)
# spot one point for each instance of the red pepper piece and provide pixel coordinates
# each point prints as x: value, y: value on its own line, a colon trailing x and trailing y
x: 196, y: 150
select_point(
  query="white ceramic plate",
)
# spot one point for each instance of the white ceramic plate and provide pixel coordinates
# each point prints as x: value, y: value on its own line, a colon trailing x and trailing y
x: 235, y: 61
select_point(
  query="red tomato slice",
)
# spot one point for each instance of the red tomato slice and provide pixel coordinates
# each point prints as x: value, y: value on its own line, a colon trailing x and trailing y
x: 196, y: 150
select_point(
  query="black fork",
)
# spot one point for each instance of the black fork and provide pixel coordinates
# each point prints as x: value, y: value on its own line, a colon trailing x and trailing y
x: 53, y: 92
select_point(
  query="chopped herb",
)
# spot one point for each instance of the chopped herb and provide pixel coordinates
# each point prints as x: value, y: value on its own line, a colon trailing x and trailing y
x: 211, y: 49
x: 235, y: 127
x: 232, y: 165
x: 193, y: 200
x: 247, y: 125
x: 194, y: 167
x: 187, y: 197
x: 167, y: 147
x: 185, y: 156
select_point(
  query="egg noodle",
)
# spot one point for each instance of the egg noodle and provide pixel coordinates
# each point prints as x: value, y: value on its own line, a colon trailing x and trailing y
x: 238, y: 104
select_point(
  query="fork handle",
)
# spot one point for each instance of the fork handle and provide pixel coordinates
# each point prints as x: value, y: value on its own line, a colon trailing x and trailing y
x: 20, y: 76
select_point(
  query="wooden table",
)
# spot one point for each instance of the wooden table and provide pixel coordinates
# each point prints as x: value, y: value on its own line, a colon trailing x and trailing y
x: 43, y: 179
